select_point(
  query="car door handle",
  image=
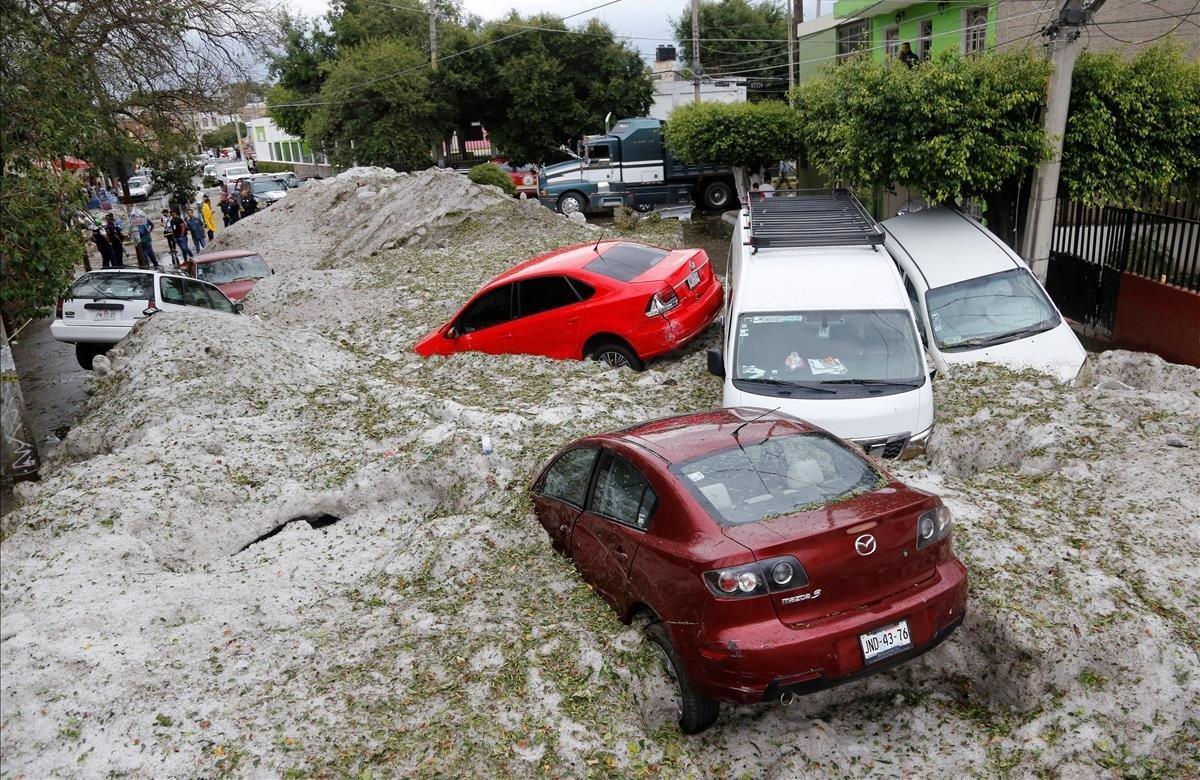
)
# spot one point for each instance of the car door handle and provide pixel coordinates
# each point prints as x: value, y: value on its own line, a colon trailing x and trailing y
x: 621, y: 554
x: 562, y: 529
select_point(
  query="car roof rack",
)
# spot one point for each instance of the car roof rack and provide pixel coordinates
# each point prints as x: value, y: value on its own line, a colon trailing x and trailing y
x: 800, y: 218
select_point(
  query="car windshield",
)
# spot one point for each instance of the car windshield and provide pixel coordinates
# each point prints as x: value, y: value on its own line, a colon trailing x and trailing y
x: 136, y: 181
x: 114, y: 286
x: 238, y: 171
x: 267, y: 185
x: 778, y: 476
x: 232, y: 269
x: 989, y: 310
x: 822, y: 347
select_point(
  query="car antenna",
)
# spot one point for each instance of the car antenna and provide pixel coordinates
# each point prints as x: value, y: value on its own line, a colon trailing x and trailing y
x: 598, y: 240
x: 750, y: 460
x: 754, y: 419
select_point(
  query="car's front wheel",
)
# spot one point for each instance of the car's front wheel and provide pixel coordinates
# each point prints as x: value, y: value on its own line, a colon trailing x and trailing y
x: 86, y: 353
x: 571, y: 202
x: 695, y: 712
x: 618, y: 356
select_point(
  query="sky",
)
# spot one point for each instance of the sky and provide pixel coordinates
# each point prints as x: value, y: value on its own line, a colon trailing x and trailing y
x: 642, y: 18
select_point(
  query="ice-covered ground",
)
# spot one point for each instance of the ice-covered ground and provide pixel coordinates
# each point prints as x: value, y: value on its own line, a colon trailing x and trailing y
x: 432, y: 631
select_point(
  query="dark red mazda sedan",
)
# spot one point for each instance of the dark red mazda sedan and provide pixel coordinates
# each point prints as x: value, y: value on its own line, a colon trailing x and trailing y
x: 770, y: 557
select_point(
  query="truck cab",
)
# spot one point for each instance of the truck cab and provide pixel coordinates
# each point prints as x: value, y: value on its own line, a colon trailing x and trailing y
x: 629, y: 166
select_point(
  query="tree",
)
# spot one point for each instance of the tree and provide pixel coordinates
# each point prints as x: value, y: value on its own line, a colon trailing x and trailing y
x: 754, y: 42
x: 174, y: 175
x: 223, y: 136
x: 368, y: 119
x: 489, y: 173
x: 747, y: 136
x: 1134, y: 125
x: 39, y: 241
x: 956, y: 127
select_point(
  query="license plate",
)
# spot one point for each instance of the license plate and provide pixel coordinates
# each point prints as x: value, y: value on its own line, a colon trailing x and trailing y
x: 106, y: 314
x: 886, y: 641
x: 693, y: 279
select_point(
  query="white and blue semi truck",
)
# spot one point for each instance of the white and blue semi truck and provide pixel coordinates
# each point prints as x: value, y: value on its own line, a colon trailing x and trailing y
x: 629, y: 166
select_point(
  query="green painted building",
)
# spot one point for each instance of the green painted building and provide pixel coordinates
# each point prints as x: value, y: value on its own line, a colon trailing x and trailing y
x: 878, y: 28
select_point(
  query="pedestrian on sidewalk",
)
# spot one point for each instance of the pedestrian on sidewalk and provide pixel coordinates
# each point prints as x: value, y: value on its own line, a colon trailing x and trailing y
x: 116, y: 240
x: 206, y: 214
x: 180, y: 228
x: 102, y: 246
x: 229, y: 208
x: 196, y: 227
x: 146, y: 237
x: 170, y: 234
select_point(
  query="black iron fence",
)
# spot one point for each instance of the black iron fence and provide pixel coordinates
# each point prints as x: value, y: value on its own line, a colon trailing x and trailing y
x: 1157, y: 238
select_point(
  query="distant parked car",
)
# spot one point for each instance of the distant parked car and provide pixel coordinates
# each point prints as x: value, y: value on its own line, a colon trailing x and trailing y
x: 140, y: 187
x: 768, y: 557
x: 100, y: 307
x: 614, y: 301
x: 266, y: 190
x: 234, y: 271
x: 230, y: 174
x: 524, y: 177
x: 975, y: 299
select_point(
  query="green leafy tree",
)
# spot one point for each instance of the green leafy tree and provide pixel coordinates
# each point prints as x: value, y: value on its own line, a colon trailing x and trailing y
x: 40, y: 241
x: 956, y: 127
x: 755, y: 44
x: 299, y: 71
x: 370, y: 119
x: 747, y: 136
x: 175, y: 175
x: 223, y: 136
x: 1134, y: 125
x: 488, y: 173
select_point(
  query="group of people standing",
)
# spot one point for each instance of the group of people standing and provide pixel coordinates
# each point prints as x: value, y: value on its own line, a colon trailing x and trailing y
x: 182, y: 227
x: 236, y: 205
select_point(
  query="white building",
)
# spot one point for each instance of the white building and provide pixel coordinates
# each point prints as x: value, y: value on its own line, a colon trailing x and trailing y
x: 670, y: 90
x: 273, y: 144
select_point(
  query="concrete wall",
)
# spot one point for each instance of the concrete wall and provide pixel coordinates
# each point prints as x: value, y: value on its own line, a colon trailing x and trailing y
x: 670, y: 94
x: 1132, y: 21
x: 1158, y: 318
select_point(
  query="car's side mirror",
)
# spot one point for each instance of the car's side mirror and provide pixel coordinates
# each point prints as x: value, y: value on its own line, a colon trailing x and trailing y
x: 451, y: 331
x: 716, y: 363
x: 238, y: 307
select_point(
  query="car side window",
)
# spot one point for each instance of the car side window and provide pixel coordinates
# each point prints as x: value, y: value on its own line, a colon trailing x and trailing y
x: 545, y: 293
x: 216, y: 298
x: 623, y: 494
x: 568, y: 477
x: 493, y: 308
x: 194, y: 294
x: 915, y: 301
x: 582, y: 289
x: 172, y: 290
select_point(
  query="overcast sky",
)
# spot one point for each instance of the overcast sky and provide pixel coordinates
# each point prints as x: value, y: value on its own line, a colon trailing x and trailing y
x: 642, y: 18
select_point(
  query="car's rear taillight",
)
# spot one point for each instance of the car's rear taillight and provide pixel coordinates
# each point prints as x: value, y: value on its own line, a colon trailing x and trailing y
x: 932, y: 526
x: 662, y: 302
x: 756, y: 579
x: 58, y: 309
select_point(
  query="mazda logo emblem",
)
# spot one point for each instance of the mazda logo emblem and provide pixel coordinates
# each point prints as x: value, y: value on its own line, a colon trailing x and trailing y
x: 865, y: 544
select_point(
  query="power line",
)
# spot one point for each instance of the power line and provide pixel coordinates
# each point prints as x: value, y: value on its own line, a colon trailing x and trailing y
x: 1183, y: 18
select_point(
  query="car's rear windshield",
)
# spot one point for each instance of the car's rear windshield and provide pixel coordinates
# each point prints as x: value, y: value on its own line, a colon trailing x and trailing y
x: 777, y: 476
x: 114, y: 286
x: 232, y: 269
x: 624, y: 262
x: 267, y: 185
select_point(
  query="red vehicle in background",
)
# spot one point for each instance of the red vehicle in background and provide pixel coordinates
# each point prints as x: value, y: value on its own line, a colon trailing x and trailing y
x: 614, y: 301
x: 524, y: 177
x: 234, y: 271
x: 770, y: 558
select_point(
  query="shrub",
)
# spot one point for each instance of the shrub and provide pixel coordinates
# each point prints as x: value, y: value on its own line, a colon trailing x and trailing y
x: 489, y: 173
x: 265, y: 166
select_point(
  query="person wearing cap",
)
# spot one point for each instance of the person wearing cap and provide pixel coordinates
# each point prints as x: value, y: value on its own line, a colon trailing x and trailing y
x: 116, y: 242
x: 170, y: 234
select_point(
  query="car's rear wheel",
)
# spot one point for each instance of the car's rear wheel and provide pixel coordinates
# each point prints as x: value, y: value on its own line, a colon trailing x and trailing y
x: 695, y: 712
x: 571, y: 202
x: 618, y: 356
x: 86, y: 353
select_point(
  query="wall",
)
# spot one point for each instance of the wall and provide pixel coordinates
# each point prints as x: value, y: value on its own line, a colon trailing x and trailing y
x: 948, y: 25
x: 669, y: 94
x: 1158, y: 318
x: 1133, y: 22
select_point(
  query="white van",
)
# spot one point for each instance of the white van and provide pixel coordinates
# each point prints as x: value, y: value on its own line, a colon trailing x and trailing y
x: 817, y: 324
x: 231, y: 173
x: 975, y: 299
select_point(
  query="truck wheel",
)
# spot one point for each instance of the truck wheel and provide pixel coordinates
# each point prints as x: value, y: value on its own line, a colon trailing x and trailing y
x: 85, y: 353
x: 618, y: 356
x: 696, y: 713
x: 717, y: 195
x: 570, y: 202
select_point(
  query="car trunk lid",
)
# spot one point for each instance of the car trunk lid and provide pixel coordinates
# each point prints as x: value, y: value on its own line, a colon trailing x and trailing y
x: 855, y: 553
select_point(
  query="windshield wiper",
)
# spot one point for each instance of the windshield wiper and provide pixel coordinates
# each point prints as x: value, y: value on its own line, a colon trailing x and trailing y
x: 781, y: 383
x: 984, y: 341
x: 869, y: 382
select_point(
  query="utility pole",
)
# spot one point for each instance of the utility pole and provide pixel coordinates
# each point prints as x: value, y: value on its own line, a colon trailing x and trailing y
x: 696, y: 49
x: 438, y: 157
x: 1064, y: 33
x: 797, y: 13
x: 18, y: 452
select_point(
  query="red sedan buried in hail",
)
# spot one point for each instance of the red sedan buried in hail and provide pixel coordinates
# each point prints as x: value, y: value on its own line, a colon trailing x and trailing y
x: 615, y: 301
x: 771, y: 558
x: 234, y: 271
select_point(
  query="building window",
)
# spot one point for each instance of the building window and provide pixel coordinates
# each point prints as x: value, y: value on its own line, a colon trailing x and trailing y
x: 925, y: 41
x: 891, y: 41
x: 308, y: 155
x: 260, y: 133
x: 853, y: 38
x: 277, y: 154
x: 296, y: 152
x: 975, y: 29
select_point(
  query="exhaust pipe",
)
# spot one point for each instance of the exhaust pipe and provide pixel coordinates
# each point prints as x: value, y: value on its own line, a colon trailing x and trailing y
x: 786, y: 698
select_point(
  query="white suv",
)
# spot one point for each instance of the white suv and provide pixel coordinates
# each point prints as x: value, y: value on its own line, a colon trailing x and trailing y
x: 100, y: 307
x: 975, y: 299
x: 818, y: 325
